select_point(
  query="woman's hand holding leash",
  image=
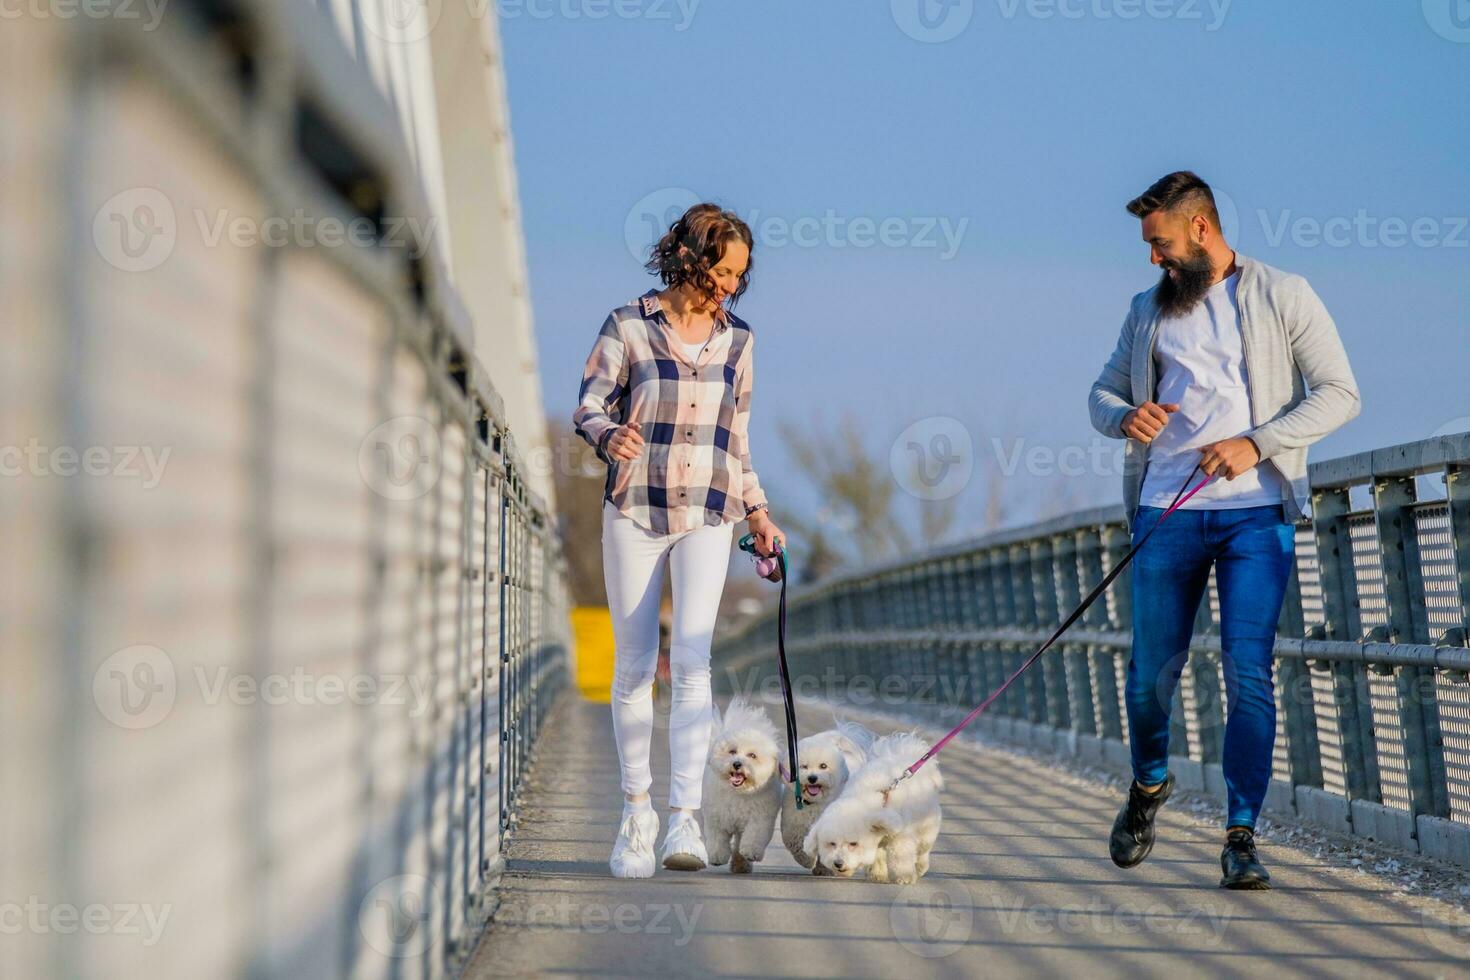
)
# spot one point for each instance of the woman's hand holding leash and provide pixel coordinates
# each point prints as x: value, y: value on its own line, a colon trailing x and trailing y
x: 766, y: 533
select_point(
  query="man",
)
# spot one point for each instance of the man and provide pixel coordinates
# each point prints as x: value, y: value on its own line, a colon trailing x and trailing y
x: 1236, y: 367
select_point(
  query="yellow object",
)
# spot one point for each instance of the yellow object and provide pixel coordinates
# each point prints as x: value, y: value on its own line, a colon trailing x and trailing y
x: 592, y: 627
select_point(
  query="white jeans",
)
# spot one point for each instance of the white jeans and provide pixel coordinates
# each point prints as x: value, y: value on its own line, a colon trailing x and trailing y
x: 633, y: 568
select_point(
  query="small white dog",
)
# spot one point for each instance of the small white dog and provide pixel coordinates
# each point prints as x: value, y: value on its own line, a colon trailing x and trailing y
x: 891, y: 841
x: 826, y: 759
x: 742, y: 793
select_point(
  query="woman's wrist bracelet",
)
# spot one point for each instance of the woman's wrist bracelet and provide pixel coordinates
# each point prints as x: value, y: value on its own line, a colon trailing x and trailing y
x: 751, y: 511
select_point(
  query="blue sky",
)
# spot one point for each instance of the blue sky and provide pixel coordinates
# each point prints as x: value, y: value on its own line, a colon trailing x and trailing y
x: 940, y: 224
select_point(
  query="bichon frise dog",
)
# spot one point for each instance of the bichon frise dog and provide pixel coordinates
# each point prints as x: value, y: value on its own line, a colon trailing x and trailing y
x: 826, y: 759
x: 892, y: 841
x: 742, y: 792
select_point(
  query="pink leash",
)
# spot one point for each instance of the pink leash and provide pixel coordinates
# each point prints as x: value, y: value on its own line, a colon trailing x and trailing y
x: 1179, y: 500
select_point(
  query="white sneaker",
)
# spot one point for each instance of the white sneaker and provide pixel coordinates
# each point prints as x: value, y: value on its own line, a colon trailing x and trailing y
x: 684, y: 845
x: 632, y: 853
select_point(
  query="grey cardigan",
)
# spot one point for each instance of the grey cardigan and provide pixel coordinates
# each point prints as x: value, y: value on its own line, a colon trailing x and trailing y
x: 1300, y: 384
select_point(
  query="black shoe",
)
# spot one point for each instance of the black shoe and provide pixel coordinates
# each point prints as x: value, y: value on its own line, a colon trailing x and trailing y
x: 1239, y: 864
x: 1133, y: 831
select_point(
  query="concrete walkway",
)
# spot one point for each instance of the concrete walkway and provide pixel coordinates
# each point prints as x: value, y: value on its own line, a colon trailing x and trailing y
x: 1021, y: 885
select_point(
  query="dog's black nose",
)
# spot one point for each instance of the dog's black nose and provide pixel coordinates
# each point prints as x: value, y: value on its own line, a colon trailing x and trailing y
x: 837, y: 863
x: 736, y: 764
x: 812, y: 778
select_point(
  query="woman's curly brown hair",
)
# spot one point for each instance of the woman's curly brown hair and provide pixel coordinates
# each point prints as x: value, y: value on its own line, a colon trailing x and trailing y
x: 695, y: 244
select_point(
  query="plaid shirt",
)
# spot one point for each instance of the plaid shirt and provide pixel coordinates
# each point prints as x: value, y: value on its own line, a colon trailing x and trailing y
x: 694, y: 469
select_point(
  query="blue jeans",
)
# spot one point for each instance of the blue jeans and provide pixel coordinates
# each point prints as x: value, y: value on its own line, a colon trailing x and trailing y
x: 1252, y: 550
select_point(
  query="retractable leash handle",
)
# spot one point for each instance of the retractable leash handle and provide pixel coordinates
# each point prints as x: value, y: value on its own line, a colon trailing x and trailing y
x: 773, y: 568
x: 1179, y: 499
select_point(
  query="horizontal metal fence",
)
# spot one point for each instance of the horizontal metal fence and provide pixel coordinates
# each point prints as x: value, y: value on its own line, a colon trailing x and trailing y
x: 266, y: 710
x: 1371, y: 658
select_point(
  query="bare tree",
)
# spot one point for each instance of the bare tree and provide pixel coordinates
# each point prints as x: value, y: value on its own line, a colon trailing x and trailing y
x: 856, y: 487
x: 863, y: 517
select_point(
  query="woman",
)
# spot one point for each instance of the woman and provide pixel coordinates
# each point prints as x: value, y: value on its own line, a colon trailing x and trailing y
x: 666, y: 403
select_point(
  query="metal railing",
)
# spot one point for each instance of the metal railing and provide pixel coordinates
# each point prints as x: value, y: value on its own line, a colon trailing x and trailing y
x: 282, y: 700
x: 1371, y: 658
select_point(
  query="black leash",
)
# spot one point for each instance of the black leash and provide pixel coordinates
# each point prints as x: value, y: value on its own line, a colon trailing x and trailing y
x: 1098, y: 590
x: 747, y: 544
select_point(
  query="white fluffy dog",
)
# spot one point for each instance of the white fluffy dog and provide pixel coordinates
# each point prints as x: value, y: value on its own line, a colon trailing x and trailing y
x: 826, y: 759
x: 890, y: 842
x: 742, y: 793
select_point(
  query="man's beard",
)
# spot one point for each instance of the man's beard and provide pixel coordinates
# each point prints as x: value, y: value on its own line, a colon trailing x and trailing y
x: 1190, y: 280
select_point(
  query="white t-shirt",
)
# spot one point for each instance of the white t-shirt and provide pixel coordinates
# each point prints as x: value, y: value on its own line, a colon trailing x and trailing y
x: 1201, y: 367
x: 692, y: 350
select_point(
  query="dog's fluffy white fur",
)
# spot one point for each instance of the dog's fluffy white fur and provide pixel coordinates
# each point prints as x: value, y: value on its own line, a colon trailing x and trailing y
x: 742, y: 791
x: 826, y: 760
x: 857, y: 833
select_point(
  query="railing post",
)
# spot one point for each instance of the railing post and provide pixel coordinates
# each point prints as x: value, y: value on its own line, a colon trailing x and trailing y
x: 983, y: 611
x: 1055, y: 692
x: 1330, y: 508
x: 957, y: 676
x: 1024, y: 591
x: 1403, y: 585
x: 1457, y: 491
x: 969, y: 592
x: 1114, y: 539
x: 1294, y: 679
x: 1003, y: 585
x: 948, y: 582
x: 1074, y: 655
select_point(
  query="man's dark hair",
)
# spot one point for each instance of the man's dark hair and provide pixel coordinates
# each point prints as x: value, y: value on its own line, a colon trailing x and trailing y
x: 1181, y: 190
